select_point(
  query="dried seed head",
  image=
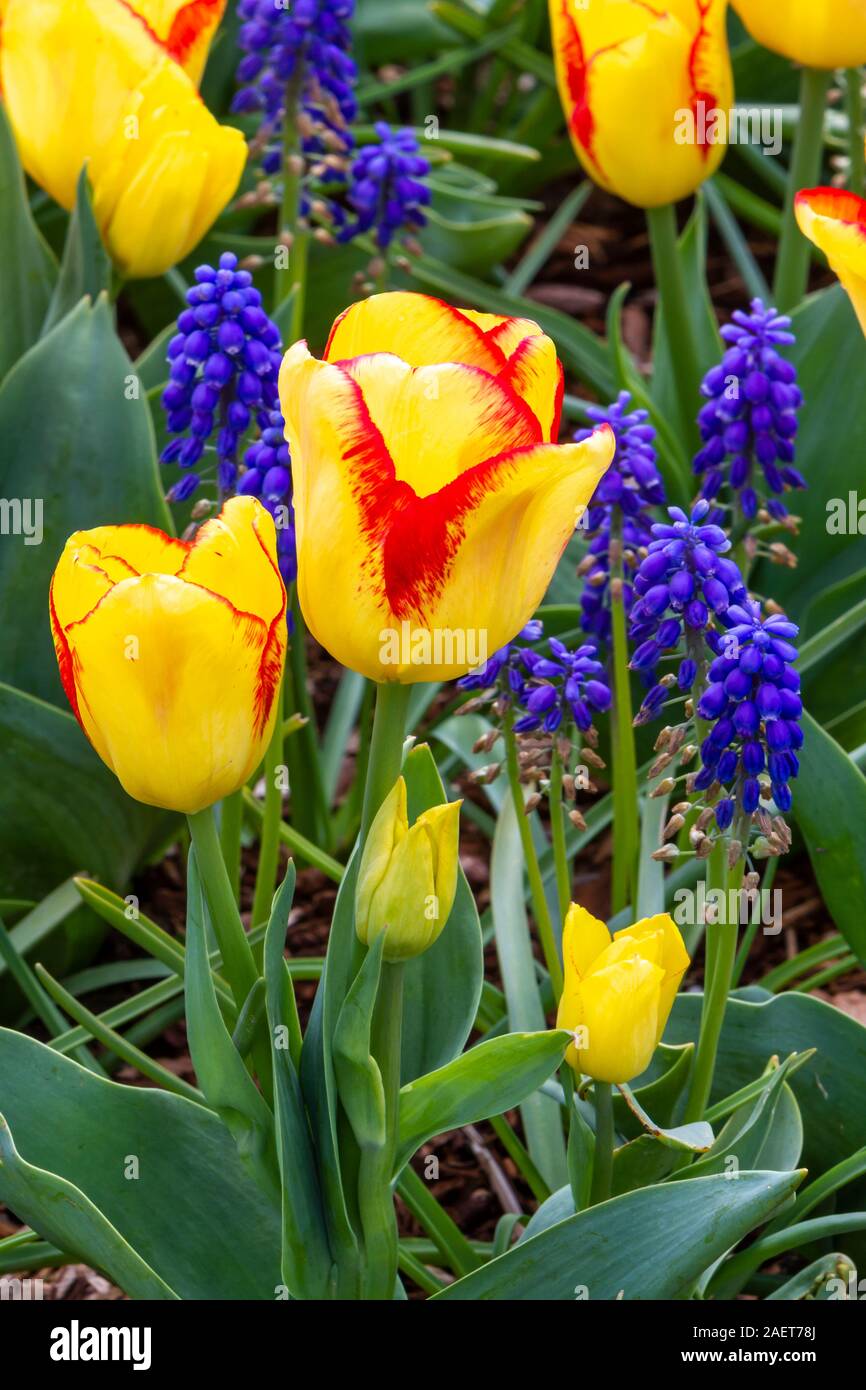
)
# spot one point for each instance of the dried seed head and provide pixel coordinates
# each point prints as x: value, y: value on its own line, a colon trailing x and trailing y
x: 673, y: 827
x: 664, y: 788
x: 666, y: 854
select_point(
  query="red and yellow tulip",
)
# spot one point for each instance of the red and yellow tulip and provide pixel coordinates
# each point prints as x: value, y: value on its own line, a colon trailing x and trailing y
x: 647, y: 91
x: 171, y: 653
x: 618, y: 992
x: 112, y: 85
x: 816, y: 33
x: 836, y: 222
x: 431, y: 500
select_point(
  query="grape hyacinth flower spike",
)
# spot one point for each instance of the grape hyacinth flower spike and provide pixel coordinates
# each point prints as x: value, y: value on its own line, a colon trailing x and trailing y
x: 386, y: 188
x: 630, y: 487
x: 684, y: 584
x: 224, y: 366
x: 749, y: 424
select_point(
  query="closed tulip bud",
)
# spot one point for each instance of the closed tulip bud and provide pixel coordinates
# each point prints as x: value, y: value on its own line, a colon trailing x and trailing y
x: 432, y: 503
x: 826, y: 34
x: 618, y: 992
x: 408, y: 876
x: 836, y: 222
x: 112, y: 84
x: 171, y: 652
x: 647, y: 92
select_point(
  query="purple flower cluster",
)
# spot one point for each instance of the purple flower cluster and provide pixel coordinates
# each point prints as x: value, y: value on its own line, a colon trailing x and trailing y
x: 754, y: 704
x: 309, y: 42
x: 749, y: 424
x: 684, y: 583
x: 631, y: 485
x: 565, y: 685
x: 504, y: 672
x: 385, y: 188
x: 224, y: 364
x: 268, y: 475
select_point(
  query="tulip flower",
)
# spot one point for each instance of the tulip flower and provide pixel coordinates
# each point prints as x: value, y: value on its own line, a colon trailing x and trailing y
x: 647, y: 91
x: 91, y: 82
x: 836, y: 222
x: 826, y: 34
x: 431, y: 501
x: 618, y: 992
x: 408, y: 876
x: 171, y: 652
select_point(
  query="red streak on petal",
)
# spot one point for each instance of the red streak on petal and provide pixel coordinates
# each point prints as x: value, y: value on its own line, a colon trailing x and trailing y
x: 271, y: 661
x: 188, y: 25
x: 837, y: 204
x: 701, y: 90
x: 65, y: 658
x: 582, y: 121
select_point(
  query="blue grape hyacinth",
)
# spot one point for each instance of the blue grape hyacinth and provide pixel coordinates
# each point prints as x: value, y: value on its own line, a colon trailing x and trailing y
x: 267, y: 474
x: 566, y: 685
x: 682, y: 586
x: 753, y: 700
x: 224, y: 366
x: 504, y: 675
x: 631, y: 486
x: 749, y: 424
x: 386, y: 188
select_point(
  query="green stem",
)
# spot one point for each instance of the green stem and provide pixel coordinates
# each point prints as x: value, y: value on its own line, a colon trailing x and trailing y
x: 557, y: 827
x: 239, y: 965
x: 854, y: 104
x: 41, y: 1003
x: 386, y: 748
x: 668, y: 270
x: 453, y: 1247
x: 376, y: 1202
x: 602, y: 1169
x: 626, y: 836
x: 310, y: 808
x: 536, y: 883
x: 231, y: 824
x: 792, y: 264
x: 721, y: 951
x: 269, y: 840
x: 290, y: 214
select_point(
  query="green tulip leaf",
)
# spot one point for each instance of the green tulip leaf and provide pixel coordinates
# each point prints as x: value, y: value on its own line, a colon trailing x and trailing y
x: 164, y: 1172
x: 27, y: 268
x: 829, y: 1271
x: 657, y: 1090
x: 64, y: 1215
x: 359, y: 1080
x: 487, y: 1080
x: 86, y: 266
x: 611, y: 1251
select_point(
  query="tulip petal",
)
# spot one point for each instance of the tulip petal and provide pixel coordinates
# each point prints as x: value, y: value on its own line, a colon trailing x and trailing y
x: 145, y: 663
x: 674, y: 958
x: 831, y: 34
x: 584, y: 938
x: 835, y: 221
x: 390, y: 825
x: 483, y: 547
x: 184, y: 27
x: 535, y: 374
x: 618, y: 1015
x: 422, y: 330
x: 407, y: 405
x: 399, y: 904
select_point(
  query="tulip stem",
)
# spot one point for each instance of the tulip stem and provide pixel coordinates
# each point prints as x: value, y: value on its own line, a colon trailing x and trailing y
x: 792, y: 263
x: 386, y: 748
x: 679, y: 330
x: 720, y: 952
x: 238, y: 963
x: 557, y: 829
x: 602, y: 1168
x: 854, y: 103
x: 378, y: 1217
x: 626, y: 835
x: 231, y: 825
x: 293, y: 232
x: 269, y: 840
x: 536, y: 884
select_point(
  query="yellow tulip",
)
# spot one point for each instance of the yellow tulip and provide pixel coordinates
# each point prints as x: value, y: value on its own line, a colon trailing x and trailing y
x: 836, y: 222
x: 618, y: 992
x: 431, y: 501
x: 816, y: 33
x: 171, y: 653
x: 647, y: 92
x: 91, y: 82
x: 408, y: 876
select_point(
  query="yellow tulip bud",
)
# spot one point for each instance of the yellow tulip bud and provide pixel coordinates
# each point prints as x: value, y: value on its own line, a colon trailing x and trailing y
x: 618, y: 992
x: 647, y: 92
x: 432, y: 503
x: 816, y: 33
x: 171, y: 653
x: 109, y: 84
x: 836, y: 222
x: 408, y: 876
